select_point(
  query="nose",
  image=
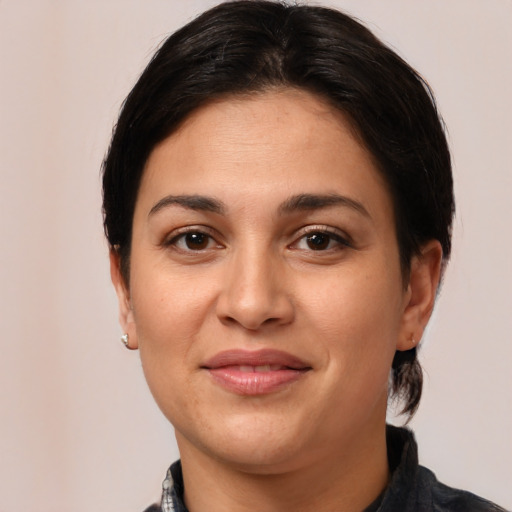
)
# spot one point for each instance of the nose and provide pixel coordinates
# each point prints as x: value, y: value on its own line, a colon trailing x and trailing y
x: 255, y: 293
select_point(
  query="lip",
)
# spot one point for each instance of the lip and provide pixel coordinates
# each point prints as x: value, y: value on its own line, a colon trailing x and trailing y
x: 255, y: 373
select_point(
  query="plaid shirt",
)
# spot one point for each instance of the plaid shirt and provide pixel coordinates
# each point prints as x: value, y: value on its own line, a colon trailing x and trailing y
x: 413, y: 488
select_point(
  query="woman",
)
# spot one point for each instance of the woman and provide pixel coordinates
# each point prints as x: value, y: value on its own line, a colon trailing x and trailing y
x: 278, y: 202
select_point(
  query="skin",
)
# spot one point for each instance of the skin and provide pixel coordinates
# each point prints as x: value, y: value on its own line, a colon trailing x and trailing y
x: 257, y: 281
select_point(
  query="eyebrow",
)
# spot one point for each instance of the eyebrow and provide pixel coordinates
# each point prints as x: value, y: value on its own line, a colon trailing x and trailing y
x: 300, y: 202
x: 190, y: 202
x: 306, y: 202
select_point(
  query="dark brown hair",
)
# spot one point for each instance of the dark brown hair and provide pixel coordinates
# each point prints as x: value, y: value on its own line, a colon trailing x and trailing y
x: 245, y: 47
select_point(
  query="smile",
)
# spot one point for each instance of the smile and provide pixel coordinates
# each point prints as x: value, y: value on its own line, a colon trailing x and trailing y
x: 255, y: 373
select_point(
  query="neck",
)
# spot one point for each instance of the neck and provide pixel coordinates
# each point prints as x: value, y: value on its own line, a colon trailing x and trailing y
x: 348, y: 479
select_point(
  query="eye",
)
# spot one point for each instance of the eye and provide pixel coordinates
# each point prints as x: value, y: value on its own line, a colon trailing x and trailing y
x: 321, y: 240
x: 318, y: 241
x: 193, y: 241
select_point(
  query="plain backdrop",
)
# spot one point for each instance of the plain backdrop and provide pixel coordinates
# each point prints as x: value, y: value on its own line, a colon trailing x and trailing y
x: 78, y: 429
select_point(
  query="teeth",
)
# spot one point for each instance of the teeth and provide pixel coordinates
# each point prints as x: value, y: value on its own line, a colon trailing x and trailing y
x: 261, y: 368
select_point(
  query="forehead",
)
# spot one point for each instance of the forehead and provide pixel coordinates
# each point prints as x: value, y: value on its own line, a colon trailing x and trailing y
x: 262, y: 146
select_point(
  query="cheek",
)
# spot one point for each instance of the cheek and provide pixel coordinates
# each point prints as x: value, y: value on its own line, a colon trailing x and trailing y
x: 359, y: 327
x: 172, y: 312
x: 169, y: 308
x: 357, y: 318
x: 164, y: 332
x: 168, y: 313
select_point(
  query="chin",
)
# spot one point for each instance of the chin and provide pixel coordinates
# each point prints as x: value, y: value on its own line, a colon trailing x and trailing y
x: 260, y: 457
x: 252, y: 444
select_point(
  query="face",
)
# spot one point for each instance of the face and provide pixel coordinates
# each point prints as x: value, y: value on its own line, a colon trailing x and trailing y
x: 265, y: 290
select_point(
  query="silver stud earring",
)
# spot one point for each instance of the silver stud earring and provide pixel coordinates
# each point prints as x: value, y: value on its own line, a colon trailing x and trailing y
x: 124, y: 339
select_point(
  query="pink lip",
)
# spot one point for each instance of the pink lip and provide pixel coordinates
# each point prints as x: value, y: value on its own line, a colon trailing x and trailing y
x: 255, y: 372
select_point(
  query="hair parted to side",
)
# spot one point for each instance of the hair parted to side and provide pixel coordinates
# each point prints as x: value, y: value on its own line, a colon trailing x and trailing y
x: 250, y: 46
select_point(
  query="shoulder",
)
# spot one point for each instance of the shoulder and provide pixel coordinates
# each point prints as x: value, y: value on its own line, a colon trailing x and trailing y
x: 448, y: 499
x: 414, y: 488
x: 154, y: 508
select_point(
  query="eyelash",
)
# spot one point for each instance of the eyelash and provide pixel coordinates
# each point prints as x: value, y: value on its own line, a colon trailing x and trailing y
x: 189, y: 231
x: 342, y: 241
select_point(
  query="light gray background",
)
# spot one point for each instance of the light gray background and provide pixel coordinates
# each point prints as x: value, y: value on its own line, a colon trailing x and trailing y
x: 78, y: 428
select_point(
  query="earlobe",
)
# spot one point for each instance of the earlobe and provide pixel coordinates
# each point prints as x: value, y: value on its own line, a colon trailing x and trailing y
x: 126, y: 318
x: 421, y: 294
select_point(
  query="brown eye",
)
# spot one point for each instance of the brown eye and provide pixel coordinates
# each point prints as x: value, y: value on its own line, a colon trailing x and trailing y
x: 318, y: 241
x: 196, y: 241
x: 193, y: 241
x: 321, y: 240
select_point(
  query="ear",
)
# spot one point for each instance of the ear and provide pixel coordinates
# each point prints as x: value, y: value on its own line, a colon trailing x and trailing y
x: 420, y: 295
x: 126, y: 318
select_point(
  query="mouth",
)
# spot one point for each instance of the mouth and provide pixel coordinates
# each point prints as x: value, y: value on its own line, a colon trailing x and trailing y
x: 255, y: 372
